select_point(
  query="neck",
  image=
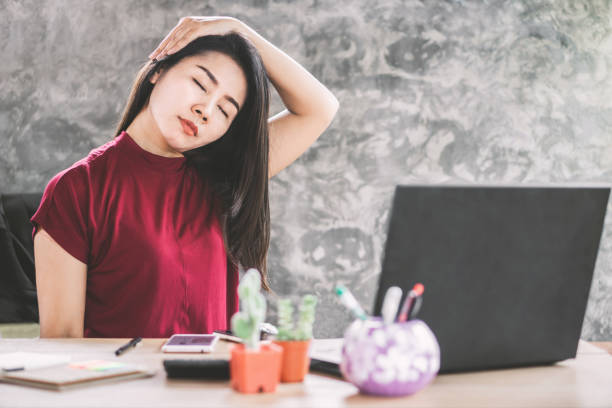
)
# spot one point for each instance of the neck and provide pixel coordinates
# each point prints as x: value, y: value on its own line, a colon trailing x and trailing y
x: 147, y: 135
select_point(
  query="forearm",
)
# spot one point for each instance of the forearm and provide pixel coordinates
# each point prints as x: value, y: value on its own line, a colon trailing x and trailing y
x: 299, y: 90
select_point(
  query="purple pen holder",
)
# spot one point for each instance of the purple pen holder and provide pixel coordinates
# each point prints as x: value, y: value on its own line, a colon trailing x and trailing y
x: 391, y: 360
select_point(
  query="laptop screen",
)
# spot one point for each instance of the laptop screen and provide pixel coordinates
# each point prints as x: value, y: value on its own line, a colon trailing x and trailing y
x: 507, y: 270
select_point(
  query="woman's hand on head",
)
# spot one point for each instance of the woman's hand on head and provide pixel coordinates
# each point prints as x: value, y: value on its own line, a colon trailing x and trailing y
x: 190, y: 28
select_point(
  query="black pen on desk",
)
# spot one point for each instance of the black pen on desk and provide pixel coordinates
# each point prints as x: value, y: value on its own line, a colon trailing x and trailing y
x: 409, y: 304
x: 9, y: 370
x: 131, y: 344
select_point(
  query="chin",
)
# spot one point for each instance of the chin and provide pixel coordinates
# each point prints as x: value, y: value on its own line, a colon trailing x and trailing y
x: 174, y: 142
x: 180, y: 144
x: 199, y: 142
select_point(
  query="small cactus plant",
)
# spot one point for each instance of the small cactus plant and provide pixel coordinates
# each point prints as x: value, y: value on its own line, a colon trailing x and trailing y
x: 303, y: 329
x: 246, y: 323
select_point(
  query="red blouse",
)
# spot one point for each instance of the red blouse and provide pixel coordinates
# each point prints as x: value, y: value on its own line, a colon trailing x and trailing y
x: 144, y: 225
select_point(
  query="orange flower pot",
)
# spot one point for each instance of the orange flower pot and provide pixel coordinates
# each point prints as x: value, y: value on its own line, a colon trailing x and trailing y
x: 296, y: 360
x: 255, y: 371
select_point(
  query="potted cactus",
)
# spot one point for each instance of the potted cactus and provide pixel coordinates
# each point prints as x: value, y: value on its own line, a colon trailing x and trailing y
x: 253, y: 367
x: 295, y: 341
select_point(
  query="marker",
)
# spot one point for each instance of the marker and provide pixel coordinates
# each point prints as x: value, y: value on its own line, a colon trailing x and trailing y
x: 415, y: 309
x: 132, y: 343
x: 416, y: 306
x: 407, y: 307
x: 350, y: 302
x: 390, y: 304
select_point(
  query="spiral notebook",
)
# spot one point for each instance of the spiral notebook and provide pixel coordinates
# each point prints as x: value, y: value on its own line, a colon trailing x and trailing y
x: 76, y: 374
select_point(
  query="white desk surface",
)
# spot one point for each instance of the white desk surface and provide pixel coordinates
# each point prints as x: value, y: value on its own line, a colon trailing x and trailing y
x: 584, y: 381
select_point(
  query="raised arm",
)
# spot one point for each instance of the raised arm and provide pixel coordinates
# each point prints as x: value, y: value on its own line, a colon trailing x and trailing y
x: 310, y: 105
x: 60, y: 284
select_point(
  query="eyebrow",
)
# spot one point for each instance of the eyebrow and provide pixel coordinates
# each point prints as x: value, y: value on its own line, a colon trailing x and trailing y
x: 214, y: 80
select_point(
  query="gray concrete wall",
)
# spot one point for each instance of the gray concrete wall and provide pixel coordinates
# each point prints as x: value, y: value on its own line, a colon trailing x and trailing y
x: 430, y: 91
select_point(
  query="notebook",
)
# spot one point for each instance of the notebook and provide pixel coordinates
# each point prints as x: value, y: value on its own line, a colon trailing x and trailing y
x: 76, y: 374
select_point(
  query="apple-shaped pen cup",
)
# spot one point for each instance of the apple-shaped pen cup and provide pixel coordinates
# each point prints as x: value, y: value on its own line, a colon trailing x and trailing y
x: 394, y: 359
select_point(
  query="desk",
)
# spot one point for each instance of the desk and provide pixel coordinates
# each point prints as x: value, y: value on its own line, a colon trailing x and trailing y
x: 584, y: 381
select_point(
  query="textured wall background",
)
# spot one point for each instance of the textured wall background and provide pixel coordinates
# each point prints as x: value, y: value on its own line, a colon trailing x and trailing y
x: 430, y: 91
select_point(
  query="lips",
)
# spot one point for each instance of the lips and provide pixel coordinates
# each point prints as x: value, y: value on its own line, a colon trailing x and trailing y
x: 189, y: 127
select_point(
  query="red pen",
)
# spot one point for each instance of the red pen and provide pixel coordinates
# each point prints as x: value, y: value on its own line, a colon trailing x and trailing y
x: 416, y: 306
x: 407, y: 306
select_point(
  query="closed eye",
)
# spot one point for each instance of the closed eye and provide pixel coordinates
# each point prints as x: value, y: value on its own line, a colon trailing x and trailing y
x: 200, y: 85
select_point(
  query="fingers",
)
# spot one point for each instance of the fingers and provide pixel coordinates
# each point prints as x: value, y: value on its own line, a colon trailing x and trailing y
x: 162, y: 48
x: 172, y: 35
x: 188, y: 28
x: 162, y: 45
x: 179, y: 40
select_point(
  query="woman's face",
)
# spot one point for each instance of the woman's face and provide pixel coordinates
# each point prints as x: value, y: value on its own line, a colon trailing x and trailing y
x: 202, y: 89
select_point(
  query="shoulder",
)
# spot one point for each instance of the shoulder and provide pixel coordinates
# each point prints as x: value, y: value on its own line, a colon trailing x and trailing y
x: 83, y: 172
x: 72, y: 181
x: 102, y: 152
x: 100, y: 156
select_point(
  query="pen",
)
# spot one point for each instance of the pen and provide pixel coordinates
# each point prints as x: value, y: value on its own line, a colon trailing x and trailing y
x: 415, y: 309
x: 390, y: 304
x: 416, y: 306
x: 8, y: 370
x: 350, y: 302
x: 132, y: 343
x: 416, y: 291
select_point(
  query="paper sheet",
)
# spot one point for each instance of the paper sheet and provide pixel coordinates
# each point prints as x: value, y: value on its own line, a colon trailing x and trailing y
x: 27, y: 361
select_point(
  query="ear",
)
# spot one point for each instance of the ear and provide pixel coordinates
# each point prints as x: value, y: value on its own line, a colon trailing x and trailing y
x: 153, y: 79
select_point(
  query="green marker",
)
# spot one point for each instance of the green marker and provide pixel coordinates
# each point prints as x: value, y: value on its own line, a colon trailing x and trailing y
x: 350, y: 302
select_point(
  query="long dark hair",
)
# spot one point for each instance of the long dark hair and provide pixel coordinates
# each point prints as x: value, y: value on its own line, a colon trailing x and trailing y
x: 235, y: 165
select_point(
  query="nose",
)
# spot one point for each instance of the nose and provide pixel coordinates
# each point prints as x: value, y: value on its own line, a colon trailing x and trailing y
x: 203, y: 111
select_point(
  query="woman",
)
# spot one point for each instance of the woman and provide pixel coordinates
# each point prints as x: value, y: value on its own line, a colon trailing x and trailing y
x: 144, y: 236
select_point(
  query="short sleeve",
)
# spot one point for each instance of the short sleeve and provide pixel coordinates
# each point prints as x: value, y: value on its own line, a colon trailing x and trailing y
x: 63, y: 212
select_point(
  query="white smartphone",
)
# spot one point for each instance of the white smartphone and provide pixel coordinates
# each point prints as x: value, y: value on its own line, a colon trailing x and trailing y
x: 190, y: 343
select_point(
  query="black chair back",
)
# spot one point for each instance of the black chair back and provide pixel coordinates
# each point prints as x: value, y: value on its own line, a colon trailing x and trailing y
x: 18, y: 302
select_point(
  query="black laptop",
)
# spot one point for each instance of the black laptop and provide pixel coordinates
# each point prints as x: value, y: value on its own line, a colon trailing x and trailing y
x: 507, y: 269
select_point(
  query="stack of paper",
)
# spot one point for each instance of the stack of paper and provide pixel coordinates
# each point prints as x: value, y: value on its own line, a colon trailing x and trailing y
x: 20, y: 360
